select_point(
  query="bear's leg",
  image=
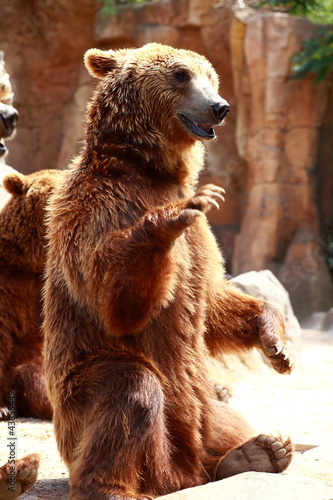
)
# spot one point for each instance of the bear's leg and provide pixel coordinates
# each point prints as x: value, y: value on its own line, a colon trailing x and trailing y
x: 123, y: 449
x: 18, y: 478
x: 28, y: 382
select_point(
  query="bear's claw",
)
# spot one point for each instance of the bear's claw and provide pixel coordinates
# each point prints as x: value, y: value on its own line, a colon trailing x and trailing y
x: 4, y: 412
x: 182, y: 216
x: 280, y: 358
x: 204, y: 198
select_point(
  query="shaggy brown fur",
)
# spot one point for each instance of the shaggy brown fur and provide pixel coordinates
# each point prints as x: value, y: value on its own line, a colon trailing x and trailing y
x: 135, y: 293
x: 22, y: 260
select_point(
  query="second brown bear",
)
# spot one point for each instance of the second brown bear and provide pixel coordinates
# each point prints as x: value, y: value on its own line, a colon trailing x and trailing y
x: 22, y: 261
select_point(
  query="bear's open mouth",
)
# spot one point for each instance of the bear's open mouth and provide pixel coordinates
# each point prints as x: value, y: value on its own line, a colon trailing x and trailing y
x: 203, y: 130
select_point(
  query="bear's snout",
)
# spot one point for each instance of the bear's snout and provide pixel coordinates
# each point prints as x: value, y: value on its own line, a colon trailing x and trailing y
x: 220, y: 109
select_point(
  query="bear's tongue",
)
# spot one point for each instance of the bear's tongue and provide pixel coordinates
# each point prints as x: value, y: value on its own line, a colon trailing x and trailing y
x: 204, y: 131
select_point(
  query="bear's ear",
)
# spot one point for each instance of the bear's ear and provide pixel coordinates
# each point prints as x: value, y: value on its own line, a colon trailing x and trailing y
x: 15, y: 184
x: 100, y: 62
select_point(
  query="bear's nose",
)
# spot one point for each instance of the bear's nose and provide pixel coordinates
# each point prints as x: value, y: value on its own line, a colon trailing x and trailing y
x: 11, y: 119
x: 220, y: 109
x: 8, y: 119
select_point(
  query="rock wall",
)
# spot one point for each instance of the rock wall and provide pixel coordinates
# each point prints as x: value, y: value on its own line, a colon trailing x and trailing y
x: 273, y: 156
x: 44, y: 42
x: 279, y: 133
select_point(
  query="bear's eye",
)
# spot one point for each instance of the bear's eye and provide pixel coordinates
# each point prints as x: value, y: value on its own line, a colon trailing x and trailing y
x: 182, y: 75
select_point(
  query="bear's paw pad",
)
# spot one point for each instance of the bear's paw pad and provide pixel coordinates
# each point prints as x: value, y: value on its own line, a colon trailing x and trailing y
x: 262, y: 454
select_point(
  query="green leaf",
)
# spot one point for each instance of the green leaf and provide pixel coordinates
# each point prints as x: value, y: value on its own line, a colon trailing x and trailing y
x: 316, y: 56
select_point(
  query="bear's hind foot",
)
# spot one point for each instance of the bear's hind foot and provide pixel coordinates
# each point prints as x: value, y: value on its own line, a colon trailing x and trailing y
x: 14, y: 483
x: 261, y: 454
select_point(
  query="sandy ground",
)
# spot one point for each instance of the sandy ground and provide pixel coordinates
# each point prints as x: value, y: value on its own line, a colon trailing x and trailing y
x: 299, y: 405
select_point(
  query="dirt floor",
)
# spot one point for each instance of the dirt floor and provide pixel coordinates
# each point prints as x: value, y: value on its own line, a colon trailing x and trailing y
x: 299, y: 405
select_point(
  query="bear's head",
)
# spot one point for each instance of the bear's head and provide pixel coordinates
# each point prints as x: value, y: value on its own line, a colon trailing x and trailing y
x: 22, y: 227
x: 154, y: 91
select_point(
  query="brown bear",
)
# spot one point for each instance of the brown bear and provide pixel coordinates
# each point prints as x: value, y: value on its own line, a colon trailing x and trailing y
x: 135, y: 294
x: 22, y: 251
x: 22, y: 261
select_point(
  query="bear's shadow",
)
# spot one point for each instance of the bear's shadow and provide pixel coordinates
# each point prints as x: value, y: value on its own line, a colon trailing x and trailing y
x: 48, y: 489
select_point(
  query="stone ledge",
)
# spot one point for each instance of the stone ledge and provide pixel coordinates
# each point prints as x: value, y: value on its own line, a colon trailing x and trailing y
x: 258, y: 486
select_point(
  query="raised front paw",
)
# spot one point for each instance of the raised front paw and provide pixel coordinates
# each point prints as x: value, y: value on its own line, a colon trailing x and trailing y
x: 171, y: 221
x: 272, y: 339
x: 204, y: 198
